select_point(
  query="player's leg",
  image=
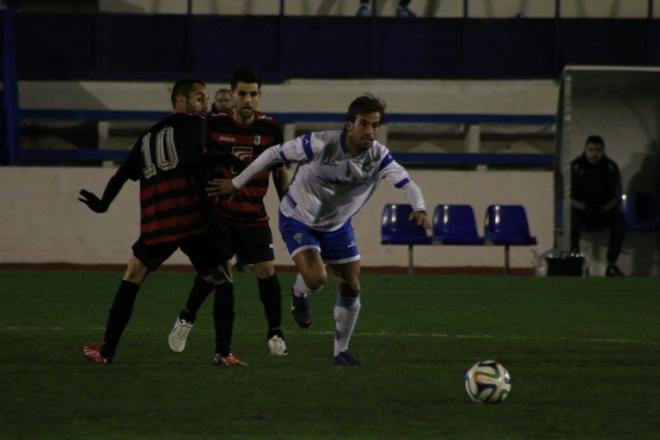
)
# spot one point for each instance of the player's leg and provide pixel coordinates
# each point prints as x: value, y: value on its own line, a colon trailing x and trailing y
x: 347, y: 310
x: 255, y: 244
x: 223, y: 316
x: 200, y: 290
x: 219, y: 237
x: 310, y: 279
x: 145, y: 259
x: 213, y: 266
x: 305, y: 250
x: 183, y: 324
x: 270, y: 295
x: 342, y: 255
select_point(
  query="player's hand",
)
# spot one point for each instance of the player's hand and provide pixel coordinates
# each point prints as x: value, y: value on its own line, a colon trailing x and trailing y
x: 421, y: 219
x: 220, y: 187
x: 93, y: 202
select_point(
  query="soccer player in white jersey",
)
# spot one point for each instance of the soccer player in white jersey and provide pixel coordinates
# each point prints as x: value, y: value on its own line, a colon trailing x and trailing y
x: 337, y: 173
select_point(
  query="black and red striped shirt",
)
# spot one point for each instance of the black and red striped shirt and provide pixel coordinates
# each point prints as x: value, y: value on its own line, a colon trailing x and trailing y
x: 166, y: 160
x: 246, y: 142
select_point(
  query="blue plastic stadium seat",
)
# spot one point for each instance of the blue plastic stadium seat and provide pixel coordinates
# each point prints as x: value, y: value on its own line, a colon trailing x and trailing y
x: 639, y: 209
x: 397, y: 229
x: 507, y: 225
x: 455, y: 224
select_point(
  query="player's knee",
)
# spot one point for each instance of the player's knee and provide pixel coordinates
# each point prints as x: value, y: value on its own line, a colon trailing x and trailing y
x: 315, y: 281
x: 136, y: 271
x: 349, y: 291
x: 219, y: 275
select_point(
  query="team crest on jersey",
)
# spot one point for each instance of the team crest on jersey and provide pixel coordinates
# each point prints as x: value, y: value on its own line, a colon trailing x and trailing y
x: 243, y: 153
x: 257, y: 139
x: 298, y: 237
x: 368, y: 166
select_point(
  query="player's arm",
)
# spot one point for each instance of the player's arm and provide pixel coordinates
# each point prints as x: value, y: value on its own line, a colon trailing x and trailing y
x: 281, y: 180
x: 399, y: 177
x: 295, y: 150
x: 280, y: 173
x: 190, y: 135
x: 126, y: 171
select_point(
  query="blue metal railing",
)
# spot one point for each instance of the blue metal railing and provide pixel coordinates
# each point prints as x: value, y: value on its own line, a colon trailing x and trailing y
x: 412, y: 159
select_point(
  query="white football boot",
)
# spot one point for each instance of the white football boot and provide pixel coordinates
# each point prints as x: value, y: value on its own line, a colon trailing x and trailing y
x: 179, y: 335
x: 277, y: 346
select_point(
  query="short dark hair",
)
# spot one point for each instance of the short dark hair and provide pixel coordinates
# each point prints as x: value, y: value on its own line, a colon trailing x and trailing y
x: 245, y: 75
x: 184, y: 87
x: 366, y: 103
x: 595, y: 139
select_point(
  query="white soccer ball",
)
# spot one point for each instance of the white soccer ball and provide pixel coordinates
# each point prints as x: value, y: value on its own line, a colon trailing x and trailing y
x: 488, y: 381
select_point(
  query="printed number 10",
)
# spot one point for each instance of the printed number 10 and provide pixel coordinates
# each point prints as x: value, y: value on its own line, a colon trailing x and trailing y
x: 166, y: 155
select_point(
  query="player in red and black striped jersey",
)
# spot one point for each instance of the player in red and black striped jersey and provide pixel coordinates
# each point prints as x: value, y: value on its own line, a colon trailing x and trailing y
x: 168, y: 162
x: 240, y: 223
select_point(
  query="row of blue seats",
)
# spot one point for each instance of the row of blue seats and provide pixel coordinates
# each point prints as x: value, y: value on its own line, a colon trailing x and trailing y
x: 504, y: 225
x: 455, y: 224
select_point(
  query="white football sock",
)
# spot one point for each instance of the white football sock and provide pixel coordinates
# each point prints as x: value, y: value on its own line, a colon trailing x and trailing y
x: 347, y: 310
x: 300, y: 288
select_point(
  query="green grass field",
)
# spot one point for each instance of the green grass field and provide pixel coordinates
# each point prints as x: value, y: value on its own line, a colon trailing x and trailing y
x: 584, y: 355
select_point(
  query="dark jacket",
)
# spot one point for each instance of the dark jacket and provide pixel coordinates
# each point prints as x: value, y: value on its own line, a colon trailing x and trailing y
x: 595, y: 186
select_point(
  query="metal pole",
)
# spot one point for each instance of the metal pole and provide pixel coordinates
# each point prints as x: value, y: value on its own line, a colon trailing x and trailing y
x: 507, y: 270
x: 410, y: 259
x: 10, y: 96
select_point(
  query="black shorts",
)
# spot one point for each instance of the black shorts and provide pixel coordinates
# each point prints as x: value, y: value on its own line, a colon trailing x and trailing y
x: 201, y: 251
x: 253, y: 242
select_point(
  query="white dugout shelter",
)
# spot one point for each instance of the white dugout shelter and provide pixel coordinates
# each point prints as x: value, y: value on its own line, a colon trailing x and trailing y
x: 621, y: 104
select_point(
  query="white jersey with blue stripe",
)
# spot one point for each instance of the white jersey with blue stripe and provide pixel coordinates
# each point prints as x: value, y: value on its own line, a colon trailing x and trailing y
x: 330, y: 185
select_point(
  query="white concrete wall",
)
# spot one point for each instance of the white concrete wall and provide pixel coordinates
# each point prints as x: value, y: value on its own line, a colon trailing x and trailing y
x: 41, y: 220
x: 533, y: 97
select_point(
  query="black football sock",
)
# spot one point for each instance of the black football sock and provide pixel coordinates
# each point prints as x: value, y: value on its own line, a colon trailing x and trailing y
x: 223, y: 317
x: 198, y: 294
x: 118, y: 316
x: 270, y: 293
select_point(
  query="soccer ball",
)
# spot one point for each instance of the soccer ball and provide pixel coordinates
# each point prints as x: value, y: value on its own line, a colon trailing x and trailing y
x: 488, y: 381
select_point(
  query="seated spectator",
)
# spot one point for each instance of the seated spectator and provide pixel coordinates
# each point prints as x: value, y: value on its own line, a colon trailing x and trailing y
x: 595, y: 199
